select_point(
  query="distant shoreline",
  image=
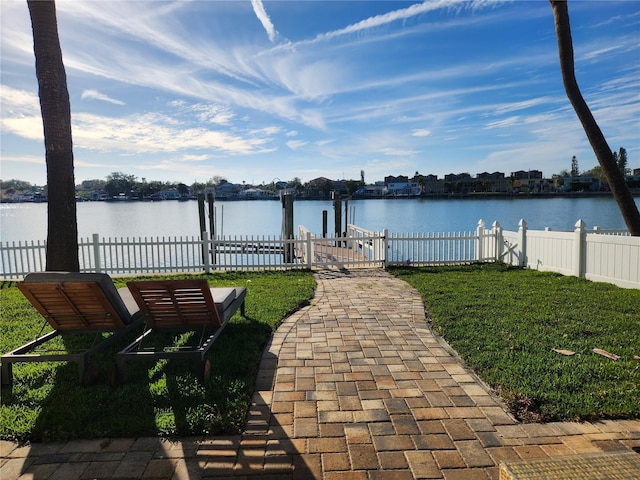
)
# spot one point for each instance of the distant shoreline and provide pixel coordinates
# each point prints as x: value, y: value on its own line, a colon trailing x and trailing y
x: 426, y: 196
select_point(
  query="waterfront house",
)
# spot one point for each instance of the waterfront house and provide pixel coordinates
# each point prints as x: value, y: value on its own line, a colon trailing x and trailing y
x: 401, y: 186
x: 322, y: 187
x: 226, y: 190
x: 529, y: 181
x: 633, y: 181
x: 459, y: 182
x: 492, y: 182
x: 171, y: 194
x: 581, y: 184
x: 370, y: 191
x: 254, y: 194
x: 431, y: 184
x: 98, y: 196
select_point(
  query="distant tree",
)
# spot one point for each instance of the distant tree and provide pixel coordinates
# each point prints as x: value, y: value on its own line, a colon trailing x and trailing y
x: 596, y: 172
x: 218, y: 180
x: 296, y: 185
x: 182, y: 189
x: 575, y: 169
x: 352, y: 186
x: 362, y: 176
x: 197, y: 187
x: 615, y: 178
x: 62, y: 223
x: 149, y: 188
x: 16, y: 185
x: 93, y: 185
x: 326, y: 187
x: 564, y: 173
x: 118, y: 182
x: 622, y: 161
x: 422, y: 181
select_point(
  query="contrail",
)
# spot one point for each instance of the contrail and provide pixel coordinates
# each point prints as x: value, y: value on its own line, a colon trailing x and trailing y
x: 405, y: 13
x: 396, y: 15
x: 261, y: 13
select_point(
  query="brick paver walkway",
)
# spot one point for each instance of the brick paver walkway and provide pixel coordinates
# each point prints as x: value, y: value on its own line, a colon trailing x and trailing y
x: 353, y: 387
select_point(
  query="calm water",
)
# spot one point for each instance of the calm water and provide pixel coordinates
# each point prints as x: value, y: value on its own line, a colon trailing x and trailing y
x: 28, y: 221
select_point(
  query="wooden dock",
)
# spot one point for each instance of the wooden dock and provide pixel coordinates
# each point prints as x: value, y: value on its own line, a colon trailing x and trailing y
x: 328, y: 253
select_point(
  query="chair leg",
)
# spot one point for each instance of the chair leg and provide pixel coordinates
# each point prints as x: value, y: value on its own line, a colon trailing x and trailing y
x: 121, y: 374
x: 206, y: 370
x: 6, y: 374
x: 82, y: 370
x: 202, y: 369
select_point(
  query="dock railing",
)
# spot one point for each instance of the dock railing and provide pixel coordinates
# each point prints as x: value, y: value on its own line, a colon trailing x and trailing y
x: 601, y: 255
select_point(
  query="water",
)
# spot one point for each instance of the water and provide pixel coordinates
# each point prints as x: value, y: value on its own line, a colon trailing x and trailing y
x: 28, y: 221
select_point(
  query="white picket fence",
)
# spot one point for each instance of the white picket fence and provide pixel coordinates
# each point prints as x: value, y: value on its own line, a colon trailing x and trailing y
x: 599, y: 255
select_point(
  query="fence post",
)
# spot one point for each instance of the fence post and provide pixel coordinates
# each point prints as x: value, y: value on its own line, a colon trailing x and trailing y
x: 480, y: 240
x: 385, y: 248
x: 309, y: 251
x: 203, y: 224
x: 96, y: 253
x: 205, y: 252
x: 496, y: 229
x: 578, y: 248
x: 522, y: 241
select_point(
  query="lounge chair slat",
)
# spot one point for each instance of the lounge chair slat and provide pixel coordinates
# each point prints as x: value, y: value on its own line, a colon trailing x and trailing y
x: 72, y: 303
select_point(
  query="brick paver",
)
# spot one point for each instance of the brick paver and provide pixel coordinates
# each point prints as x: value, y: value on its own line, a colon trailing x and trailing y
x: 353, y: 387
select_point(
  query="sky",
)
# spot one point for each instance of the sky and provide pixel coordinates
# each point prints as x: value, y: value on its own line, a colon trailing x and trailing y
x: 260, y: 91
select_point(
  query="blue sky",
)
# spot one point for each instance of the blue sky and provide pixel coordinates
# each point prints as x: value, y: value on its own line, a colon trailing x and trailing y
x: 258, y: 91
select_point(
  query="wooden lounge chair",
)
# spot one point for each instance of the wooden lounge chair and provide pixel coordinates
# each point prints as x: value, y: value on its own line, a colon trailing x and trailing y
x: 180, y: 306
x: 73, y: 303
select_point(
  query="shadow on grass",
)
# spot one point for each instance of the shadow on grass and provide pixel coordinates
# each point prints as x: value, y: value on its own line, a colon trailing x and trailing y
x: 66, y: 409
x: 228, y: 422
x: 161, y: 399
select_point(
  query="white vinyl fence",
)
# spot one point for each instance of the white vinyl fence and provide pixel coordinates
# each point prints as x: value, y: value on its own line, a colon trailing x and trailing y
x: 599, y: 255
x: 610, y: 256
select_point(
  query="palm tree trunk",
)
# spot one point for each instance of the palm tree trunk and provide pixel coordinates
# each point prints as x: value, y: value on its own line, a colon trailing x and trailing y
x: 615, y: 178
x: 62, y: 227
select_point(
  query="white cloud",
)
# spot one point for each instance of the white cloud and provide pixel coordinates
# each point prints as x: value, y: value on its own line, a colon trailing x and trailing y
x: 157, y: 133
x: 27, y: 127
x: 261, y: 13
x: 600, y: 51
x: 506, y: 122
x: 195, y: 158
x: 95, y: 95
x: 216, y: 114
x: 421, y: 132
x: 34, y: 159
x: 296, y: 144
x: 384, y: 19
x: 16, y: 101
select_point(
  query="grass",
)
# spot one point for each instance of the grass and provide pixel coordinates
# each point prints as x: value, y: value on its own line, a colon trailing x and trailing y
x: 47, y: 403
x: 504, y: 323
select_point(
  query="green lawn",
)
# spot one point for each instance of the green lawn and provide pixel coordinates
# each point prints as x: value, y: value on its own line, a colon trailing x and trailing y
x: 504, y: 322
x: 47, y: 402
